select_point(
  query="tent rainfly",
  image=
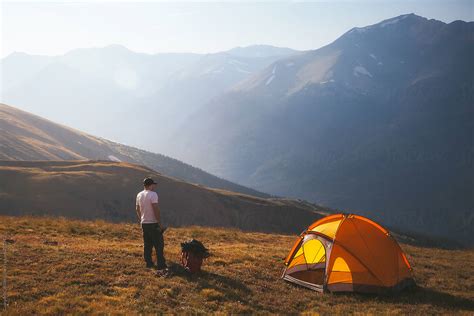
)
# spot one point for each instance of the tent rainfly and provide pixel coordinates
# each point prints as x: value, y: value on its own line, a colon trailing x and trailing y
x: 348, y: 253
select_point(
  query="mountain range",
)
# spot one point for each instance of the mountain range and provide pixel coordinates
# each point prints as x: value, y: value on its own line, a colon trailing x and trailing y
x: 378, y: 122
x: 151, y: 95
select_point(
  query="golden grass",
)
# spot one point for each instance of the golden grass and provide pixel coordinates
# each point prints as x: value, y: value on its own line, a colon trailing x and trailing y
x: 97, y: 267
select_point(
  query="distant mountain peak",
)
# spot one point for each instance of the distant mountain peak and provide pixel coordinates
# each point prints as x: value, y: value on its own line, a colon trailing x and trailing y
x: 18, y: 54
x: 260, y: 51
x: 108, y: 48
x: 392, y: 22
x: 117, y: 47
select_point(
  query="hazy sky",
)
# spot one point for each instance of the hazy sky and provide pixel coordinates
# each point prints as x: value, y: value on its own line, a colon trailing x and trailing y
x: 55, y: 27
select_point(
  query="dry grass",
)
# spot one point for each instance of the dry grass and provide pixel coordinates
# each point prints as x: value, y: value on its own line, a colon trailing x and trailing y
x: 97, y: 267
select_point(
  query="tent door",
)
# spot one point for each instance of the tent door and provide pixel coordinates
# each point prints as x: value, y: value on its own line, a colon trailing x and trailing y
x: 312, y: 286
x: 308, y: 267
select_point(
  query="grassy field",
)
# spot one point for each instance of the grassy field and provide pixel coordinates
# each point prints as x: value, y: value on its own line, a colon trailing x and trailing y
x: 60, y: 266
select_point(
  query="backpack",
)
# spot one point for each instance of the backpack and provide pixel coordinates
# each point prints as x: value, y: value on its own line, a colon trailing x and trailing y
x: 193, y: 253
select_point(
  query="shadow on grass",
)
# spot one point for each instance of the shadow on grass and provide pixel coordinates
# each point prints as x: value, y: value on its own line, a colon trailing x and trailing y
x: 233, y: 289
x: 420, y: 295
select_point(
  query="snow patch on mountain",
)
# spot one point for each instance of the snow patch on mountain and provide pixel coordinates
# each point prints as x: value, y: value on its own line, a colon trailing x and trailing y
x: 242, y: 70
x: 270, y: 80
x: 113, y: 158
x: 236, y: 62
x: 327, y: 81
x: 359, y: 70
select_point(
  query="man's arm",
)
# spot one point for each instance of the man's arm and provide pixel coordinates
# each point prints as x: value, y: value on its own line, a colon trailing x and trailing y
x: 139, y: 214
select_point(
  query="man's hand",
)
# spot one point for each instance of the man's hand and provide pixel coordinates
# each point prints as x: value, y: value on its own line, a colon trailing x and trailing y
x: 161, y: 228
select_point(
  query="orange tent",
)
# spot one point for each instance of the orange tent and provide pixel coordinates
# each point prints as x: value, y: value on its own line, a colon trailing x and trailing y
x: 348, y: 253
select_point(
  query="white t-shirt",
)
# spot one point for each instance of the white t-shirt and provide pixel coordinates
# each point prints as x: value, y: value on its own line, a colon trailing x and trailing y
x: 144, y: 199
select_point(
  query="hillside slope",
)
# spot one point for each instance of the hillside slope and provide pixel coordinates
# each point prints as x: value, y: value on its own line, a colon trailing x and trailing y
x: 58, y: 266
x: 107, y: 190
x: 24, y: 136
x: 379, y: 121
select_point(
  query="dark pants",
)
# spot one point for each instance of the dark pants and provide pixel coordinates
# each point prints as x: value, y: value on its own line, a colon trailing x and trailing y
x: 153, y: 238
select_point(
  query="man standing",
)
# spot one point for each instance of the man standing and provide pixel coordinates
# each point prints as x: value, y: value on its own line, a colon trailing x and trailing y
x: 148, y: 214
